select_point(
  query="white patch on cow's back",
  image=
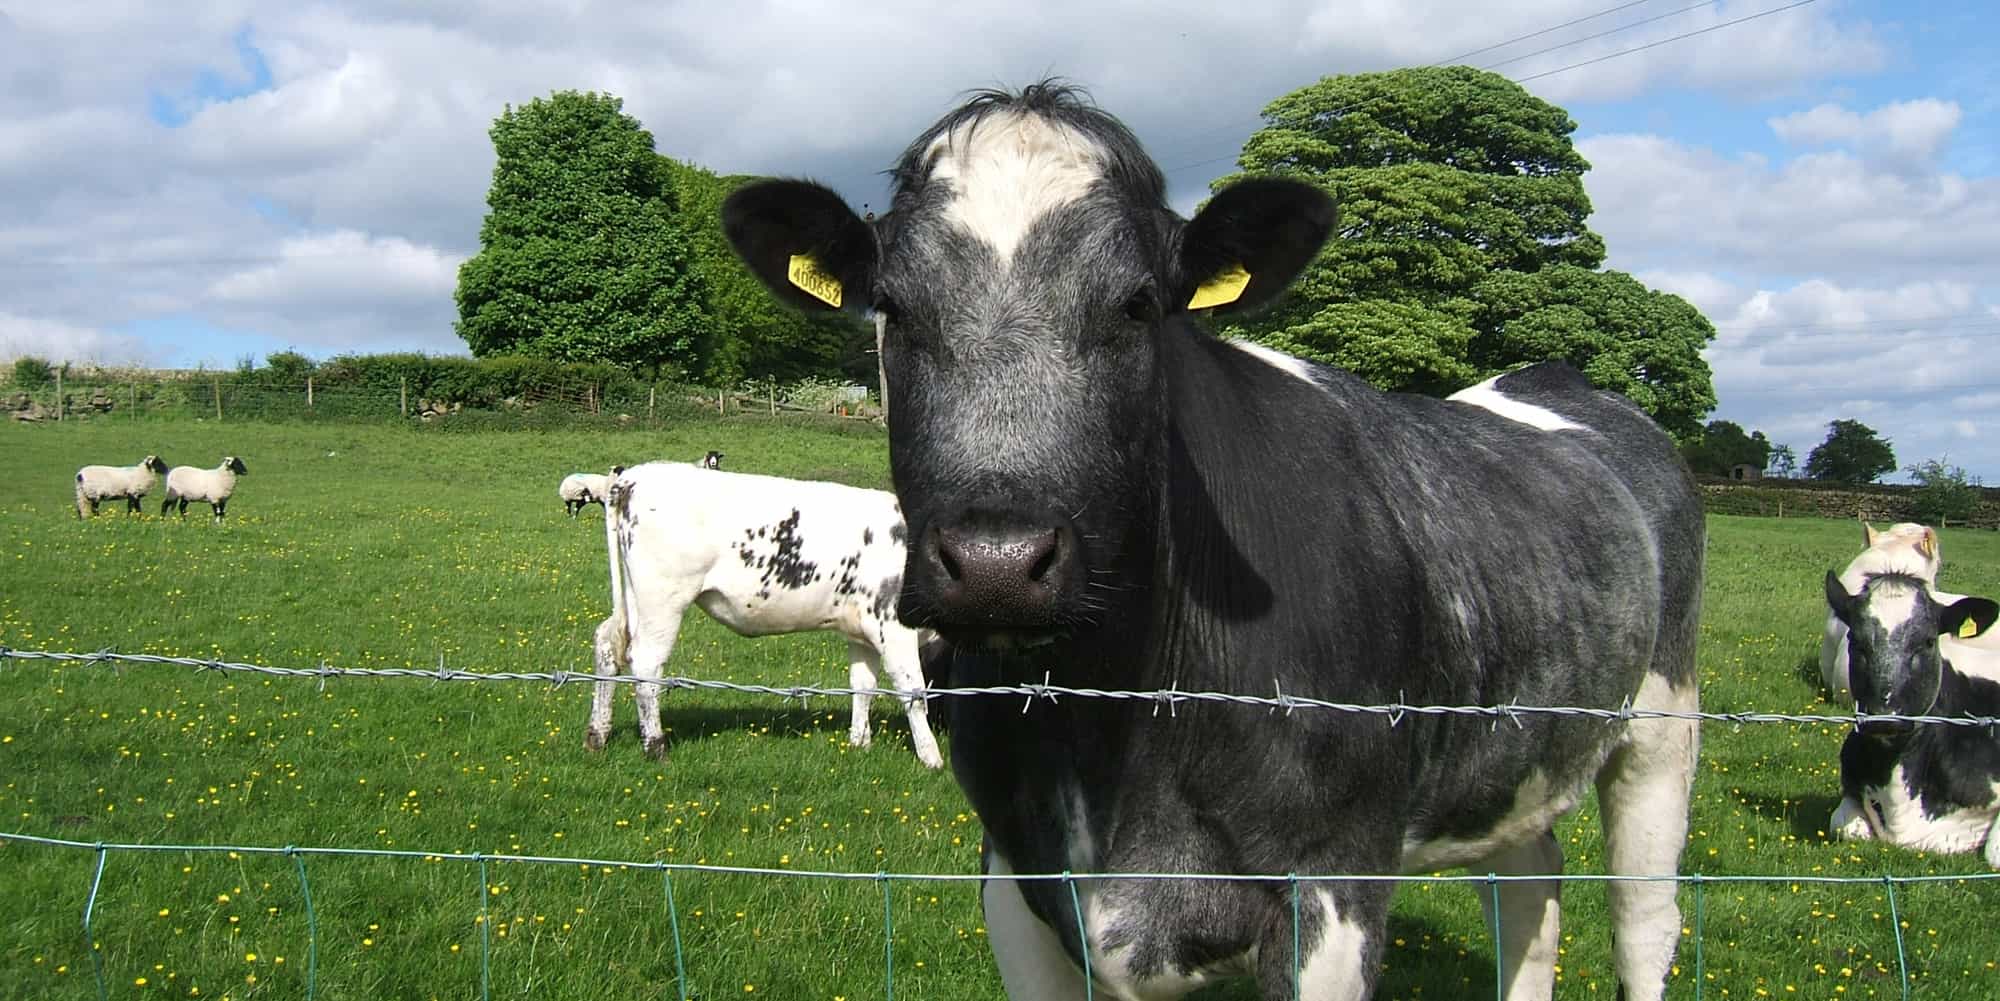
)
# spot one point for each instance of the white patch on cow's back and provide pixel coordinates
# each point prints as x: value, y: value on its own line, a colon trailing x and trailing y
x: 1294, y: 367
x: 1010, y: 169
x: 1487, y: 397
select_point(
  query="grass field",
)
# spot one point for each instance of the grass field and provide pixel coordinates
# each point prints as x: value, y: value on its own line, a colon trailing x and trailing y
x: 377, y: 547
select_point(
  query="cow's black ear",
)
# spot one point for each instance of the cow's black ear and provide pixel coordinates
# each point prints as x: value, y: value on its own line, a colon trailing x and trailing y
x: 1977, y: 613
x: 803, y: 243
x: 1837, y: 597
x: 1248, y: 243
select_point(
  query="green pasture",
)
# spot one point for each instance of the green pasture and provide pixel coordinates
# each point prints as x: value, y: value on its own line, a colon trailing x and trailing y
x: 367, y: 546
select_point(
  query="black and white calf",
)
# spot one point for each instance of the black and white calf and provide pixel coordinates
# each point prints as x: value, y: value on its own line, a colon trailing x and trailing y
x: 763, y: 556
x: 1100, y: 491
x: 1926, y: 786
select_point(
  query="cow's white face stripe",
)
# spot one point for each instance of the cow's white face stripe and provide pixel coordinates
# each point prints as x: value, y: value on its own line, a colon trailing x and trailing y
x: 1010, y: 170
x: 1486, y: 397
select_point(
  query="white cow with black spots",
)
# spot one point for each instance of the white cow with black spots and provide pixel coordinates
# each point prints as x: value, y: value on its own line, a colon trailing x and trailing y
x: 762, y: 555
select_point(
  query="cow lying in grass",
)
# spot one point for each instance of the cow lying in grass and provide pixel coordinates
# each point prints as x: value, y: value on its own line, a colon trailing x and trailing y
x: 763, y: 556
x: 1925, y: 786
x: 1905, y: 547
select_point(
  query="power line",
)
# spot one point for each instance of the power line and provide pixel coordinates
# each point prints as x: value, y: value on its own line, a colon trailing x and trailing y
x: 1602, y: 34
x: 1577, y: 65
x: 1461, y: 57
x: 1649, y: 45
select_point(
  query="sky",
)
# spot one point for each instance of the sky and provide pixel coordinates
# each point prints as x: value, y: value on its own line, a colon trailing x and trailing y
x: 187, y: 185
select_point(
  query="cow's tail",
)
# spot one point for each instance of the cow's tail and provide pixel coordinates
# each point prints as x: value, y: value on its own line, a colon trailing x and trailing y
x: 616, y: 632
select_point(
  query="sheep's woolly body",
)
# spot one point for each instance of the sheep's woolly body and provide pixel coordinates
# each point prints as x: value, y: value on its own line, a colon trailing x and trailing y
x: 95, y: 484
x: 578, y: 489
x: 213, y: 487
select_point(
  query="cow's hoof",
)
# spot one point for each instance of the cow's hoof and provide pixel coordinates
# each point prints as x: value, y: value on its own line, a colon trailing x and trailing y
x: 594, y: 741
x: 656, y: 748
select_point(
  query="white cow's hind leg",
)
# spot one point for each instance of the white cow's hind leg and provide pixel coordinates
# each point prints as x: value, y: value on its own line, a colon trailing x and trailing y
x: 861, y: 662
x: 1033, y: 964
x: 651, y: 646
x: 906, y: 674
x: 607, y: 652
x: 1643, y: 793
x: 1993, y: 845
x: 1530, y: 915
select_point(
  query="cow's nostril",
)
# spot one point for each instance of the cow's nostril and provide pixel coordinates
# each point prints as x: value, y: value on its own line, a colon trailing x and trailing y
x: 951, y: 567
x: 1047, y: 559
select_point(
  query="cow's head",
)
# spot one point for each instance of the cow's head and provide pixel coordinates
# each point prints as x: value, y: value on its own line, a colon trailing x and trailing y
x: 1020, y: 285
x: 1894, y: 665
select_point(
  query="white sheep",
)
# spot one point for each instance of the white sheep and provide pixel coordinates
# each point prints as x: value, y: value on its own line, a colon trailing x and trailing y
x: 102, y: 483
x: 186, y: 483
x: 578, y: 489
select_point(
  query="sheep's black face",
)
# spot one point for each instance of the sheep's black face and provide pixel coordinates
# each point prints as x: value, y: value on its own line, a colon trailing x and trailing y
x: 155, y: 463
x: 235, y: 465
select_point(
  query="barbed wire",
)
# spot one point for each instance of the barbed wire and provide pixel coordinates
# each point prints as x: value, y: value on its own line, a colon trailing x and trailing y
x: 1169, y: 699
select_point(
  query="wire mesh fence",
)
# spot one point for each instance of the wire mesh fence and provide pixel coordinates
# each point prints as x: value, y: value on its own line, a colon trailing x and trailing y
x: 1697, y: 885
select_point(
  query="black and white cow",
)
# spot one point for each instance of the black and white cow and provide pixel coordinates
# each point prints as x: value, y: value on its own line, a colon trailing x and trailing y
x: 1929, y: 787
x: 713, y: 460
x: 763, y: 556
x: 1101, y: 492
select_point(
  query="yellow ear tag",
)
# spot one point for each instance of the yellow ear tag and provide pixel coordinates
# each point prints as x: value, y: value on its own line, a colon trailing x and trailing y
x: 1225, y: 287
x: 813, y: 280
x: 1968, y: 629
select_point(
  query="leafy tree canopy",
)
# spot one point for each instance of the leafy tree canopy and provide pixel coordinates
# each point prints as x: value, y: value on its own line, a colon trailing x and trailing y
x: 1722, y: 446
x: 580, y: 258
x: 1944, y: 492
x: 759, y: 339
x: 1462, y: 249
x: 1851, y: 453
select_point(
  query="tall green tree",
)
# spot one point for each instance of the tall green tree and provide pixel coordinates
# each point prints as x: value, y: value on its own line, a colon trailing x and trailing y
x: 1944, y: 492
x: 580, y: 258
x: 1851, y: 453
x: 1462, y: 249
x: 758, y: 338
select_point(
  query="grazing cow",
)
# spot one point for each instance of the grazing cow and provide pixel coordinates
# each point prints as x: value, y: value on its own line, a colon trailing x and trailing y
x: 1905, y: 547
x: 763, y: 556
x: 1103, y: 494
x: 713, y: 460
x: 1926, y: 786
x: 578, y: 490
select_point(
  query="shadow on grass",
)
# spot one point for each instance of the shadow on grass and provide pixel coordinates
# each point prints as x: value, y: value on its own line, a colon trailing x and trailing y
x: 1806, y: 815
x: 690, y: 725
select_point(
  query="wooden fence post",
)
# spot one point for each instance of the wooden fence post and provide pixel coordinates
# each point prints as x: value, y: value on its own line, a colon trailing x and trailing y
x: 774, y: 399
x: 218, y: 397
x: 719, y: 403
x: 405, y: 391
x: 309, y: 392
x: 59, y: 400
x: 651, y: 391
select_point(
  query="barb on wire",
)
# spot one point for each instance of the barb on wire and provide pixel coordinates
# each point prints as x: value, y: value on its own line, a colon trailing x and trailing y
x: 1393, y: 712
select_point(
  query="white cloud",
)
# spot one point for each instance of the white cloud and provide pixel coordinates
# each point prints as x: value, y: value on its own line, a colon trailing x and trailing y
x: 1903, y: 131
x: 343, y: 266
x: 1662, y: 205
x: 56, y: 341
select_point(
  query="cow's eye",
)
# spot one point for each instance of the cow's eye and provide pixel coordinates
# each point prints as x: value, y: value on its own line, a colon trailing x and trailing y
x: 1143, y: 305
